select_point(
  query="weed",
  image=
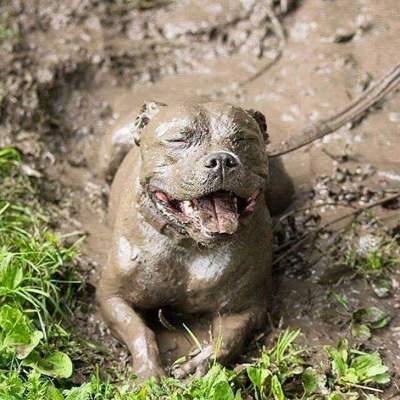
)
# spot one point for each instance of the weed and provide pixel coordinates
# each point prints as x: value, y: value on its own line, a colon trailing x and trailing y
x: 276, y: 367
x: 355, y: 369
x: 31, y: 260
x: 9, y: 159
x: 373, y: 258
x: 362, y: 321
x: 366, y: 320
x: 6, y: 33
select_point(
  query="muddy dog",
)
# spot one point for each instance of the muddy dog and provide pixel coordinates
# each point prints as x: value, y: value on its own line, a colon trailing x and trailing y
x: 191, y: 209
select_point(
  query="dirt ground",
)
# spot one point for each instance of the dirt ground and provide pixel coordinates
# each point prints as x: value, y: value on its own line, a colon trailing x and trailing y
x: 72, y: 71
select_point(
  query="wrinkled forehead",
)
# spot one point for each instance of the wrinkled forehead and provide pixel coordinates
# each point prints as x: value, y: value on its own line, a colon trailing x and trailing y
x: 208, y: 118
x: 176, y: 119
x: 225, y: 118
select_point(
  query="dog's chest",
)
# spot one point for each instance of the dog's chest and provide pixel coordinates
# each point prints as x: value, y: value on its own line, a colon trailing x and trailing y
x: 206, y: 269
x: 191, y: 280
x: 195, y: 268
x: 214, y: 279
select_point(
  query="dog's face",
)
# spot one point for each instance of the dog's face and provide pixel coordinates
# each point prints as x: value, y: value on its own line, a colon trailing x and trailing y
x: 204, y: 167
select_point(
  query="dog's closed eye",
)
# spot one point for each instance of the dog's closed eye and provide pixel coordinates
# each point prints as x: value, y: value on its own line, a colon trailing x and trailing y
x: 181, y: 138
x: 245, y: 138
x: 177, y: 140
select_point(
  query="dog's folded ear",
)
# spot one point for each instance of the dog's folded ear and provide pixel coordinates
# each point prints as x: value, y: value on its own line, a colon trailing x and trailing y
x: 117, y: 143
x: 148, y: 110
x: 261, y: 121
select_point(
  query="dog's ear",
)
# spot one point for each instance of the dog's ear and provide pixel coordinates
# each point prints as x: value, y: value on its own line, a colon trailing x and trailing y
x: 115, y: 146
x: 147, y: 112
x: 261, y: 121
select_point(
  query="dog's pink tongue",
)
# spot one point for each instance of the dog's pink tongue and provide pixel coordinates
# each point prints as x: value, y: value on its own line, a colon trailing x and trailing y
x: 218, y: 213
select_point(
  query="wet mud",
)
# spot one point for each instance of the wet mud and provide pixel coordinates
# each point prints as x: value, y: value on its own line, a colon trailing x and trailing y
x: 71, y: 73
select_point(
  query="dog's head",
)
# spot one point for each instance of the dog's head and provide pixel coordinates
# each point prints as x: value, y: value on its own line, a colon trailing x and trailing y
x: 204, y: 167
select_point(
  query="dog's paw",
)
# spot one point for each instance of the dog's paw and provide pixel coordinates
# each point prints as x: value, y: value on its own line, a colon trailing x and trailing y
x: 196, y: 366
x: 144, y: 371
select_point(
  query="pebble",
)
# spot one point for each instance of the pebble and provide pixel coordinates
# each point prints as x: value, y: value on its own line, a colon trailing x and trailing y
x: 394, y: 117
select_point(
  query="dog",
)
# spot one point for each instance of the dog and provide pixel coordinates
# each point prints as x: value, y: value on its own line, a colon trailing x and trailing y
x: 190, y: 210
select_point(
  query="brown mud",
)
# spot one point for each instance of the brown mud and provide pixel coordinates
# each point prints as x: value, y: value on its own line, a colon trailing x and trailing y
x: 71, y: 72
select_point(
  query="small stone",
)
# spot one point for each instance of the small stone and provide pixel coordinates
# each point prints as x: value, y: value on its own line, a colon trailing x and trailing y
x: 364, y: 22
x: 77, y: 160
x: 45, y: 75
x: 29, y: 171
x: 367, y: 244
x: 394, y: 117
x: 343, y: 36
x: 350, y: 196
x: 382, y: 287
x: 340, y: 177
x: 83, y: 131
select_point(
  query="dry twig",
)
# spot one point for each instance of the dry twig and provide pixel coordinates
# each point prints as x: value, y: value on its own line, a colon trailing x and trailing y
x: 351, y: 113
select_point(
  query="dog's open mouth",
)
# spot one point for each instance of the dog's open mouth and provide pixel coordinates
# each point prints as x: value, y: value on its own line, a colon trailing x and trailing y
x: 217, y: 213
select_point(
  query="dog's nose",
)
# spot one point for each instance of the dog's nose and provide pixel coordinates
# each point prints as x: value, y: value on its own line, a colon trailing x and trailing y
x: 221, y: 160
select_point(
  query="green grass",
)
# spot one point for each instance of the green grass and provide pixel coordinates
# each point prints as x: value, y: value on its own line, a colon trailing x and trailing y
x: 38, y: 350
x: 6, y: 33
x: 374, y: 258
x: 362, y: 322
x: 31, y: 279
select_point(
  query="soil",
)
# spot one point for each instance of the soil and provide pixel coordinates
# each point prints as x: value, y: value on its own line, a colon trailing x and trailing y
x: 72, y: 71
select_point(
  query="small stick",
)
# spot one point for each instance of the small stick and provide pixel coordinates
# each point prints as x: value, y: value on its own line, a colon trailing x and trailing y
x: 296, y: 210
x: 351, y: 113
x: 164, y: 322
x: 354, y: 213
x: 366, y: 388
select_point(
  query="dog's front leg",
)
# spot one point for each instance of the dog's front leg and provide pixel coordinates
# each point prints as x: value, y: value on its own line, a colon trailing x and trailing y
x: 230, y: 333
x: 129, y: 327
